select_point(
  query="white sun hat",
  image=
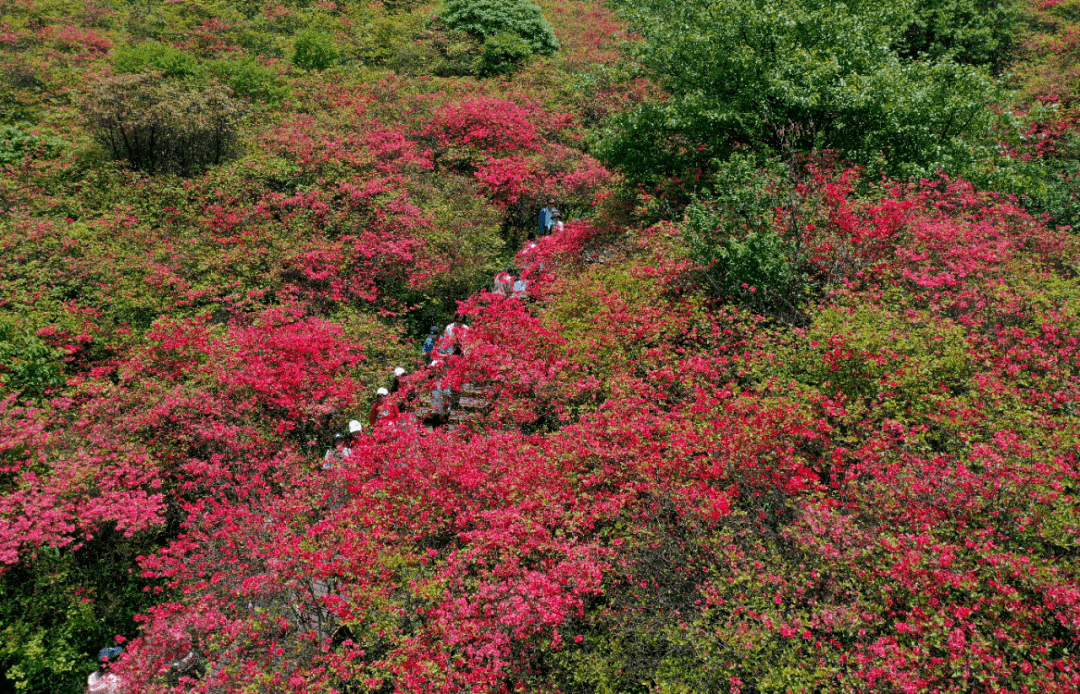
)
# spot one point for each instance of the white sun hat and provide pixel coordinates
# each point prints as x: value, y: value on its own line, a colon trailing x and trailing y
x: 399, y: 371
x: 355, y: 426
x: 382, y: 391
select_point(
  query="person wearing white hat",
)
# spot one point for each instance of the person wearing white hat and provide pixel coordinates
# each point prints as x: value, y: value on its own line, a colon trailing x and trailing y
x: 381, y: 409
x: 396, y: 385
x: 454, y: 331
x: 356, y: 430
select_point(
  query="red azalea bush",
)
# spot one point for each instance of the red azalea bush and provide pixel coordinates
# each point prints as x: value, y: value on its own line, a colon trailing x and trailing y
x: 646, y: 483
x: 881, y: 498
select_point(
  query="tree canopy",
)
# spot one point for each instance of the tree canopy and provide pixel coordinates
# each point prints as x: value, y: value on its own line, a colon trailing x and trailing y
x: 797, y: 76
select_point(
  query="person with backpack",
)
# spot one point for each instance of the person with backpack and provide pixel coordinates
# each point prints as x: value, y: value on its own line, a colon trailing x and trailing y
x: 454, y: 332
x: 356, y: 430
x: 556, y: 224
x: 186, y: 671
x: 545, y: 217
x: 382, y: 410
x: 504, y: 282
x: 396, y: 385
x: 429, y: 344
x: 439, y: 413
x: 521, y: 289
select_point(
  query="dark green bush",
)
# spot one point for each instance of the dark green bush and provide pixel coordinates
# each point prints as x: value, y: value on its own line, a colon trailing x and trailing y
x: 250, y: 80
x: 314, y: 50
x: 731, y: 236
x: 160, y: 127
x: 972, y: 32
x: 485, y: 19
x: 156, y: 57
x: 503, y: 54
x: 28, y: 366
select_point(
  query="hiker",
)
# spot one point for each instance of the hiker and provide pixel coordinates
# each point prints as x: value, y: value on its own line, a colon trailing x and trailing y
x: 556, y: 223
x: 439, y: 413
x: 397, y: 385
x: 381, y: 409
x: 453, y: 332
x: 191, y: 667
x: 504, y: 282
x: 545, y: 217
x: 521, y: 288
x: 429, y: 344
x: 337, y: 452
x: 101, y: 681
x: 356, y: 430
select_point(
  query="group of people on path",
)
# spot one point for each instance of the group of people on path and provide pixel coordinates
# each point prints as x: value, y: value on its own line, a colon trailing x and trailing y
x: 385, y: 409
x: 439, y: 343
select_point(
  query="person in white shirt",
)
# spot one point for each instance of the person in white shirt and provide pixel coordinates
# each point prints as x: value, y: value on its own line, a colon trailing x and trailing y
x: 457, y: 328
x: 101, y: 681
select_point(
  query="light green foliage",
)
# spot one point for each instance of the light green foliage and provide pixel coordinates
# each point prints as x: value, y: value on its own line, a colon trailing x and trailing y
x: 487, y: 18
x: 155, y: 57
x: 900, y: 363
x: 314, y: 49
x: 504, y: 53
x: 793, y: 76
x: 28, y: 366
x: 250, y: 80
x: 17, y: 143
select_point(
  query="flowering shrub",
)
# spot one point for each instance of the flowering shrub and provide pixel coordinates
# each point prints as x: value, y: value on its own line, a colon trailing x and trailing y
x: 761, y: 427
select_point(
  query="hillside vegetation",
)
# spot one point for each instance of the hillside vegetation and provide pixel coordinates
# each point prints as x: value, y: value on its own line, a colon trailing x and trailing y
x: 790, y: 404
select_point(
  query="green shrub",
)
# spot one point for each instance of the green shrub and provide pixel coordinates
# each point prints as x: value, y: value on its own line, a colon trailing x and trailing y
x: 314, y: 50
x: 16, y: 144
x: 28, y: 366
x: 730, y: 235
x: 154, y: 56
x: 250, y: 80
x: 485, y: 19
x: 159, y: 127
x: 503, y: 54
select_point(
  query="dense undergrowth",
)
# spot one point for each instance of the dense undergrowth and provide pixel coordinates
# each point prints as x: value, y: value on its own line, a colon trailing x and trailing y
x: 792, y: 405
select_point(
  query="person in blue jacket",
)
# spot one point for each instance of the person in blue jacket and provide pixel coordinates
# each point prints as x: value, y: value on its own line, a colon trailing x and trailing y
x: 545, y: 217
x: 429, y: 343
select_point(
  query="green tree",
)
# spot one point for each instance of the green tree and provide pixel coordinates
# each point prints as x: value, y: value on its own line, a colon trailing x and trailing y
x: 314, y: 50
x: 972, y: 32
x: 485, y: 19
x: 503, y: 53
x: 793, y: 76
